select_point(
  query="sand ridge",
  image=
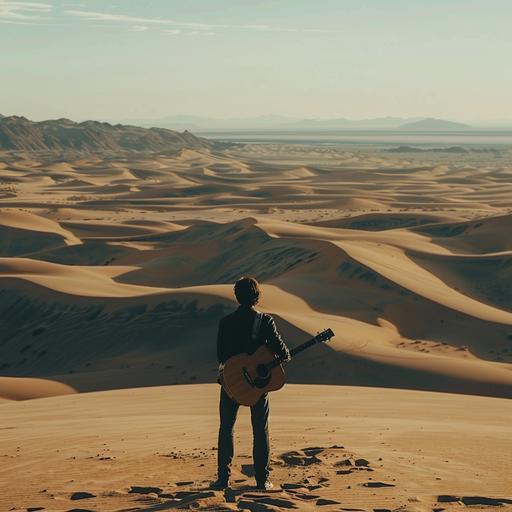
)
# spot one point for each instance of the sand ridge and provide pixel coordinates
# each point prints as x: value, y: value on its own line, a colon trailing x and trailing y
x: 408, y: 258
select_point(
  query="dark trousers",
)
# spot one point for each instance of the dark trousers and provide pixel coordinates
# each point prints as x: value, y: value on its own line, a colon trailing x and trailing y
x: 261, y: 447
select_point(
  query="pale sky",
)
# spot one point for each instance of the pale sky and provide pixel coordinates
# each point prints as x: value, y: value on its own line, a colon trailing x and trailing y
x: 95, y: 59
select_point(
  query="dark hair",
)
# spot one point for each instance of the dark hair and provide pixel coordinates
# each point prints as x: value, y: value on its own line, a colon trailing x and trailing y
x: 247, y: 291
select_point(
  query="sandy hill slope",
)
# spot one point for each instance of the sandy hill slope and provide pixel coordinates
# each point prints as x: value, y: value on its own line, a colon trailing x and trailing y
x: 25, y: 233
x: 115, y: 268
x: 333, y: 448
x: 19, y: 133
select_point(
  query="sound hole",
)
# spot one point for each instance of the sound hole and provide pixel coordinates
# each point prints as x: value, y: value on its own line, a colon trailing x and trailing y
x: 262, y: 371
x: 263, y: 376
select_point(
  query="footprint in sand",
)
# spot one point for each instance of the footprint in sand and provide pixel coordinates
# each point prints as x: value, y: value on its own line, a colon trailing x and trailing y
x: 344, y: 462
x: 292, y: 487
x: 134, y: 489
x: 314, y: 450
x: 264, y: 503
x: 324, y: 501
x: 196, y: 494
x: 305, y: 457
x: 305, y: 496
x: 192, y: 499
x: 377, y: 484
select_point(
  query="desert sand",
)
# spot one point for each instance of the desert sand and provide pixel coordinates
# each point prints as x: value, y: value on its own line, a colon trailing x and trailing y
x: 335, y: 448
x: 115, y: 269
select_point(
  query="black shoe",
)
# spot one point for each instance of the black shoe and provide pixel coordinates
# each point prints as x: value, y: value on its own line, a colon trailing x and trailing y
x: 267, y: 485
x: 219, y: 484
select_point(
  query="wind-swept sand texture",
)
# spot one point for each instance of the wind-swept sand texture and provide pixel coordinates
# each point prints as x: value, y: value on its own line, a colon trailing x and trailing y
x: 114, y: 272
x: 115, y: 268
x: 334, y: 448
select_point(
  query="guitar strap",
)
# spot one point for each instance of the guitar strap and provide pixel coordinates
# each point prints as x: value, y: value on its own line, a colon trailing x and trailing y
x: 256, y: 325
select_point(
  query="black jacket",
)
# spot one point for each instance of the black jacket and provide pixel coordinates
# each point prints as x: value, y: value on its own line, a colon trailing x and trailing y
x: 234, y: 336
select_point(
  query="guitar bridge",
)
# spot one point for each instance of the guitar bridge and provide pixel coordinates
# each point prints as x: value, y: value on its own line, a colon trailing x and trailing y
x: 248, y: 377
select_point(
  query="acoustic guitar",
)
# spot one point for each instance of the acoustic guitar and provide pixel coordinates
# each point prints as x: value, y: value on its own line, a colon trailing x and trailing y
x: 246, y: 377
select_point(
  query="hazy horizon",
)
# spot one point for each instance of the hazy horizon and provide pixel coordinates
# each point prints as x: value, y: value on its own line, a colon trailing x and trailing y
x: 287, y: 124
x: 220, y: 59
x: 279, y: 122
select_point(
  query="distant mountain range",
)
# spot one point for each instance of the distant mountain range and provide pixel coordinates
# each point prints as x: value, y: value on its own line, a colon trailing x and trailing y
x: 19, y: 133
x: 431, y: 124
x: 281, y: 123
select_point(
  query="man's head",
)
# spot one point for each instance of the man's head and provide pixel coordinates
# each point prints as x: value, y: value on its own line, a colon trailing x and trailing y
x: 247, y: 291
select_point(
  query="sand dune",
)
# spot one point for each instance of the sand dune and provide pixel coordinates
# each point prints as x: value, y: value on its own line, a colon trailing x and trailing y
x: 26, y: 221
x: 82, y: 281
x: 477, y: 236
x: 115, y: 270
x: 23, y: 233
x: 19, y: 388
x: 409, y: 260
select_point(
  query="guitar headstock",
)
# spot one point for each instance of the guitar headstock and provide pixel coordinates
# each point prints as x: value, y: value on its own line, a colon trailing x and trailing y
x: 324, y: 336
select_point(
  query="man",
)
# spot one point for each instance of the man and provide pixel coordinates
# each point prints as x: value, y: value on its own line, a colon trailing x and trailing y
x: 243, y: 331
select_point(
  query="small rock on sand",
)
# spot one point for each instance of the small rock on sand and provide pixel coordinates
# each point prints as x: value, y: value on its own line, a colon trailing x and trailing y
x: 82, y: 496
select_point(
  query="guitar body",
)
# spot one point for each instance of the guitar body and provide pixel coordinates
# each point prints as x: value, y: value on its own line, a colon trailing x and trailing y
x: 245, y: 377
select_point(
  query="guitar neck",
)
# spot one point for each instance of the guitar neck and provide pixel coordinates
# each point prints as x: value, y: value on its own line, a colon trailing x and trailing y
x: 304, y: 346
x: 295, y: 351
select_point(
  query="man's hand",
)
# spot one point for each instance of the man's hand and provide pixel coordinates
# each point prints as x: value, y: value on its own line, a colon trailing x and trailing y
x: 286, y: 358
